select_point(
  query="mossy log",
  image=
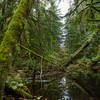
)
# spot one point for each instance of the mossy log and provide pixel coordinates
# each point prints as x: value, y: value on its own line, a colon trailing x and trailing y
x: 8, y: 45
x: 69, y: 60
x: 77, y: 52
x: 38, y: 55
x: 24, y: 93
x: 17, y: 93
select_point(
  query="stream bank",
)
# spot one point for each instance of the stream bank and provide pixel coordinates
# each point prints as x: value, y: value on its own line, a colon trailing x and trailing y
x: 77, y: 83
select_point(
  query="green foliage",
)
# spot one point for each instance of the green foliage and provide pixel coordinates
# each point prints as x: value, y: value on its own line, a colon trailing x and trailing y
x: 85, y: 62
x: 7, y: 8
x: 15, y: 82
x: 23, y: 46
x: 79, y: 28
x: 81, y: 25
x: 50, y: 26
x: 29, y: 63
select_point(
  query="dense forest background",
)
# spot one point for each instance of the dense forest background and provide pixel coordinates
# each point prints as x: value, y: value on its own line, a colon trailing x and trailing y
x: 31, y: 45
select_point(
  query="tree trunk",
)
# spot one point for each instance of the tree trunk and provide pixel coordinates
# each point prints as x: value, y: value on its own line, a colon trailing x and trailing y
x: 8, y: 45
x: 40, y: 38
x: 3, y: 13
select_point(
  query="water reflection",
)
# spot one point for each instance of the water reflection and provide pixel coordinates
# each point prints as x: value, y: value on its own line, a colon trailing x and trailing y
x: 63, y: 81
x: 65, y: 95
x: 58, y: 88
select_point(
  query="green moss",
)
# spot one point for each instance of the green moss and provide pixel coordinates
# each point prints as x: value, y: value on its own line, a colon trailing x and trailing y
x: 14, y: 29
x: 8, y: 44
x: 24, y: 93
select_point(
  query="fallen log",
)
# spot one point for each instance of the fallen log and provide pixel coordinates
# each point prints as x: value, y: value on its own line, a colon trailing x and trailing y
x: 17, y: 93
x: 77, y: 52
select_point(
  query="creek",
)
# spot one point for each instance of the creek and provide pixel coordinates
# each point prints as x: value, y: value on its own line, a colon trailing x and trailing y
x: 57, y: 88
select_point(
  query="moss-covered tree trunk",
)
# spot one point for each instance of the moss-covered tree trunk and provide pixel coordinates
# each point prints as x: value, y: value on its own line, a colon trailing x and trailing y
x: 8, y: 45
